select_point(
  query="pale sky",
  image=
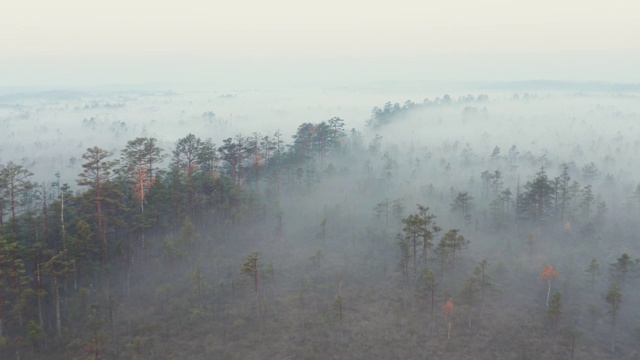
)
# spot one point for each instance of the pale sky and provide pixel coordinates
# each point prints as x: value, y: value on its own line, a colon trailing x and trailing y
x: 84, y: 42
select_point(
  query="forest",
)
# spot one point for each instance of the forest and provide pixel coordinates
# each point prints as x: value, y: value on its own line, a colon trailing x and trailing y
x: 471, y: 227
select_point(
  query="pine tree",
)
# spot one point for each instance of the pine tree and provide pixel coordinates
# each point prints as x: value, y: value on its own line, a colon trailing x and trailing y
x: 427, y: 287
x: 251, y: 268
x: 485, y: 281
x: 621, y: 269
x: 455, y: 243
x: 468, y: 295
x: 593, y: 270
x: 97, y: 172
x: 14, y: 182
x: 614, y: 299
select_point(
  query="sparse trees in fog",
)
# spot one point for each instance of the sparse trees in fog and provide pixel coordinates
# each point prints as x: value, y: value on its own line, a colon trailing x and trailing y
x: 501, y: 209
x: 255, y: 161
x: 3, y: 197
x: 251, y: 269
x: 492, y: 183
x: 593, y: 270
x: 530, y: 243
x: 590, y: 172
x: 405, y: 255
x: 381, y: 211
x: 427, y: 287
x: 188, y: 236
x: 413, y: 235
x: 468, y: 295
x: 230, y: 200
x: 397, y: 209
x: 442, y: 254
x: 419, y: 229
x: 454, y: 242
x: 622, y: 268
x: 614, y: 299
x: 462, y: 204
x: 428, y: 230
x: 587, y: 201
x: 563, y: 196
x: 302, y: 290
x: 322, y: 233
x: 485, y: 281
x: 536, y: 203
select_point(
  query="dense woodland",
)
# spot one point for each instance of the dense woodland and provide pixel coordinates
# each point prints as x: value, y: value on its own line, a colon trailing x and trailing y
x: 327, y: 245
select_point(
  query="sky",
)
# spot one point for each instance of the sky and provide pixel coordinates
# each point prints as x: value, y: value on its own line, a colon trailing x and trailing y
x: 81, y: 42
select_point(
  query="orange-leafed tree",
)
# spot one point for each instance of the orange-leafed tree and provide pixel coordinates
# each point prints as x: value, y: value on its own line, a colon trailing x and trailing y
x: 548, y: 274
x: 447, y: 309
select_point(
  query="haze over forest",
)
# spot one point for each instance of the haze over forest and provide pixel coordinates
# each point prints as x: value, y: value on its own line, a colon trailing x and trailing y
x: 339, y: 181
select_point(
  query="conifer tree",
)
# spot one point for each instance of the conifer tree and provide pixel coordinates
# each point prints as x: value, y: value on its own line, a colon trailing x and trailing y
x: 614, y: 299
x: 97, y: 172
x: 593, y: 270
x: 427, y: 288
x: 485, y: 281
x: 250, y: 268
x: 14, y: 182
x: 455, y: 243
x: 468, y: 295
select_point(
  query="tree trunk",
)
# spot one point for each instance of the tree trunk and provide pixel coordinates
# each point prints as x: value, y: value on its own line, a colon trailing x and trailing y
x: 613, y: 329
x: 415, y: 264
x: 1, y: 316
x: 14, y: 223
x: 64, y: 247
x: 57, y: 300
x: 1, y: 213
x: 45, y: 210
x: 433, y: 296
x: 39, y: 291
x: 548, y: 292
x: 573, y: 344
x: 112, y: 328
x: 453, y: 259
x: 103, y: 232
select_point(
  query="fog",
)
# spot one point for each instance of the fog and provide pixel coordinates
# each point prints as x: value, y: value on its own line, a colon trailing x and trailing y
x: 323, y: 221
x: 561, y: 126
